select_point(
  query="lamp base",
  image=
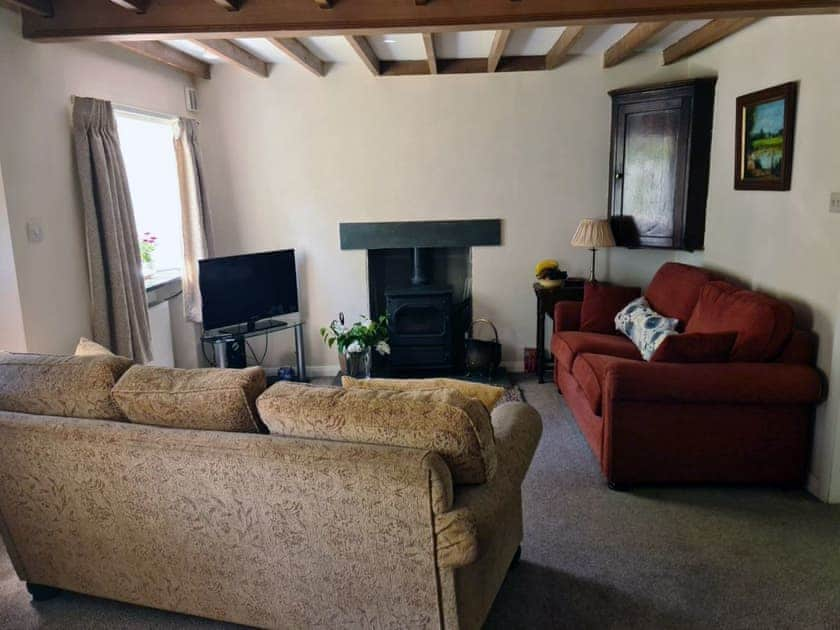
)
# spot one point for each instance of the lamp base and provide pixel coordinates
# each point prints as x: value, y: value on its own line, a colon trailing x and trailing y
x: 592, y: 268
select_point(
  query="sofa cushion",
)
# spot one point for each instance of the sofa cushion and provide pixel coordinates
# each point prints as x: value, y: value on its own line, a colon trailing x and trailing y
x: 644, y: 327
x: 566, y: 345
x: 441, y: 420
x: 675, y: 288
x: 695, y: 348
x: 763, y: 324
x: 211, y: 399
x: 88, y: 348
x: 601, y: 303
x: 488, y: 395
x: 67, y: 386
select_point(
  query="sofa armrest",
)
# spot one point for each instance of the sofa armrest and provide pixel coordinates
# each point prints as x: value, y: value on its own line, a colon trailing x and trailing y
x: 567, y: 316
x: 484, y: 514
x: 745, y: 383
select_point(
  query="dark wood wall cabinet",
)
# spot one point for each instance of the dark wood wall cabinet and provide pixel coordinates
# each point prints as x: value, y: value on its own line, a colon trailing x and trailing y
x: 659, y: 166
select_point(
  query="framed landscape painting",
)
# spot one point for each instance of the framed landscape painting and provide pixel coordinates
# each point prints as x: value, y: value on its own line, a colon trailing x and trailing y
x: 764, y: 138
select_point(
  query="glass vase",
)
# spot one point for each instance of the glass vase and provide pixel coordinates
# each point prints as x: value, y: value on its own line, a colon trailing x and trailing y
x: 358, y: 364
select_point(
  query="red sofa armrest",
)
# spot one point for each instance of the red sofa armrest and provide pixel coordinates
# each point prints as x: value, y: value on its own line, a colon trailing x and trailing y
x: 740, y: 383
x: 567, y: 316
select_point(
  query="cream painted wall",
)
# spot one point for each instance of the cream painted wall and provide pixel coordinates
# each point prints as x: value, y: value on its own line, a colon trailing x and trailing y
x: 12, y: 336
x: 290, y: 157
x: 37, y: 158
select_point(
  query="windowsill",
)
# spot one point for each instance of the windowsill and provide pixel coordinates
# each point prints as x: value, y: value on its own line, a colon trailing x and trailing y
x: 162, y: 286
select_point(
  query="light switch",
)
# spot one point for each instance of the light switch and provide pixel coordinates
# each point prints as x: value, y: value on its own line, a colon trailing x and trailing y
x: 34, y: 231
x: 835, y: 202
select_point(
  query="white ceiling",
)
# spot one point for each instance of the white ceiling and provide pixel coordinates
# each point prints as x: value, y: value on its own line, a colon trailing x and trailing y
x: 404, y: 47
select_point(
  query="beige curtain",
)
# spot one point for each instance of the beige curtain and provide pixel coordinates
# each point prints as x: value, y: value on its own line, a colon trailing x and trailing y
x: 118, y: 296
x: 195, y: 215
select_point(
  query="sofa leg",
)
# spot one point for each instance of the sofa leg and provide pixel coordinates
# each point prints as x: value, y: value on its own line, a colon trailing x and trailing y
x: 618, y: 487
x: 41, y: 593
x: 516, y: 557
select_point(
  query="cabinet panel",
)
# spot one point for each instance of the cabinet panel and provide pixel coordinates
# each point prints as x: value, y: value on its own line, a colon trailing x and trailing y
x: 652, y: 168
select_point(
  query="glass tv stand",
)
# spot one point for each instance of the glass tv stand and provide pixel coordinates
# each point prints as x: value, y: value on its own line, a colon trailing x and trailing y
x: 222, y: 338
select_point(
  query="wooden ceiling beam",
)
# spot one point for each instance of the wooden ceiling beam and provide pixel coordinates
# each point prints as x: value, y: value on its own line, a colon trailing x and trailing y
x: 300, y: 53
x: 138, y: 6
x: 431, y: 56
x: 477, y: 65
x: 362, y: 46
x: 169, y: 56
x: 236, y: 55
x: 497, y: 49
x: 704, y: 37
x: 230, y: 5
x: 560, y: 50
x: 627, y: 46
x: 200, y: 19
x: 41, y: 8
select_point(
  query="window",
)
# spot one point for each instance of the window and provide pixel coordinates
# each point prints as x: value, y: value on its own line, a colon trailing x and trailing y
x: 149, y: 154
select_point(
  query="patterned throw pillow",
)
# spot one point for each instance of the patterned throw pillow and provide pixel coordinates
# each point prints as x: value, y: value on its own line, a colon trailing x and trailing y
x: 644, y: 327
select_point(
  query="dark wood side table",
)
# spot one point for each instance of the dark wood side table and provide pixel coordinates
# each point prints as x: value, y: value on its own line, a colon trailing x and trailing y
x: 547, y: 297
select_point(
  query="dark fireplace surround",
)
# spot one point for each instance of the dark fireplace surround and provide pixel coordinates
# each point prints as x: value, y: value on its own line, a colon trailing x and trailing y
x: 420, y: 276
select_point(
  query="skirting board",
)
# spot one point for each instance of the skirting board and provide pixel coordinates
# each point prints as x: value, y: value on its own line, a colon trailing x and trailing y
x: 319, y: 371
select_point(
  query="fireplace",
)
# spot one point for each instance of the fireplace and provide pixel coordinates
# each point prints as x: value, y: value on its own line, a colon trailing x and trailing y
x: 420, y: 327
x: 420, y: 276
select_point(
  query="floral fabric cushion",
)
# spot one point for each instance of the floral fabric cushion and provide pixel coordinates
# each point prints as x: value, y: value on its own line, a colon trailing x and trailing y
x: 644, y: 327
x: 441, y: 420
x: 211, y: 399
x: 488, y: 395
x: 67, y: 386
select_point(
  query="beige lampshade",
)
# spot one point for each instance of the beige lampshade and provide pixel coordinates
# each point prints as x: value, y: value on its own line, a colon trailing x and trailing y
x: 593, y: 234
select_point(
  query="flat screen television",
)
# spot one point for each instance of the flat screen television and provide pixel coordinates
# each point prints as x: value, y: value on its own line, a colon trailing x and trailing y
x: 241, y: 290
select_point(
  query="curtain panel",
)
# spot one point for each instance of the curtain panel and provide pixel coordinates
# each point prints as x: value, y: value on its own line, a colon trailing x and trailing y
x: 195, y: 214
x: 120, y: 316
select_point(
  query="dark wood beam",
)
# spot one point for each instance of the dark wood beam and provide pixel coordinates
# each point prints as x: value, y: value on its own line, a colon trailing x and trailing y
x: 230, y: 5
x: 41, y: 8
x: 564, y: 43
x: 627, y: 46
x: 462, y: 66
x: 497, y: 49
x: 138, y: 6
x: 704, y: 37
x: 300, y: 53
x: 235, y: 54
x: 169, y: 56
x: 361, y: 45
x: 431, y: 57
x: 200, y: 19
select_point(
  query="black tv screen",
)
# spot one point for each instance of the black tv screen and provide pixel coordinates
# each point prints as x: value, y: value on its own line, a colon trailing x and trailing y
x: 241, y: 289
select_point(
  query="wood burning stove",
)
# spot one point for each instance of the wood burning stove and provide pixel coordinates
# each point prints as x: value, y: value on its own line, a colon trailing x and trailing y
x: 420, y: 326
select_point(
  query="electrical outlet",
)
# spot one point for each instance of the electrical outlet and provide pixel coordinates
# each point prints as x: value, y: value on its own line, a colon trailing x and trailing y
x: 835, y: 203
x: 34, y: 231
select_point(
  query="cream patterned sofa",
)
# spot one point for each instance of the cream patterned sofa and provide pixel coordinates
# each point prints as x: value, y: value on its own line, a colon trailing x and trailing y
x: 263, y: 530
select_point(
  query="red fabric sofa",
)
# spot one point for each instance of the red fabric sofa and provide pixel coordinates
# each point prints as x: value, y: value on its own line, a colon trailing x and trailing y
x: 747, y: 420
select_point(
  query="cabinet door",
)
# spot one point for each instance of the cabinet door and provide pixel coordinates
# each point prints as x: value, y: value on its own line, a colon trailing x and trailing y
x: 650, y: 150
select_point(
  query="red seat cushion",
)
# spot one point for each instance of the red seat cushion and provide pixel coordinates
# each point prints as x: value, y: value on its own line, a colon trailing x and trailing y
x: 601, y: 303
x: 764, y: 324
x: 675, y: 288
x: 566, y: 345
x: 695, y: 348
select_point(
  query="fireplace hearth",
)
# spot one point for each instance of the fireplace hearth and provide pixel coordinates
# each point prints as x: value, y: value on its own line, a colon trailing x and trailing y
x: 420, y: 276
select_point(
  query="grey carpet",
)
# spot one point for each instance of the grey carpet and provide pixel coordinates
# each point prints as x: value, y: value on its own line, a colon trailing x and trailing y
x: 684, y: 557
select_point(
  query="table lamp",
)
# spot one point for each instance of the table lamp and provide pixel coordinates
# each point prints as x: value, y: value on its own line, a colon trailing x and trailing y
x: 593, y: 234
